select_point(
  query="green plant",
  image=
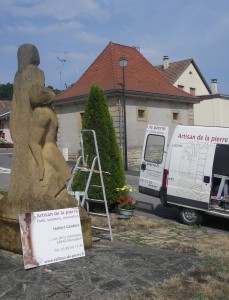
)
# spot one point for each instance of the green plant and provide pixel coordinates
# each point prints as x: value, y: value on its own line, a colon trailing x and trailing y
x: 126, y: 202
x: 97, y: 117
x: 3, y: 192
x: 5, y: 144
x: 199, y: 296
x: 196, y: 227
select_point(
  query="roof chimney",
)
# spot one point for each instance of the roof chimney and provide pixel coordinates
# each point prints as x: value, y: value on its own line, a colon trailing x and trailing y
x: 165, y: 62
x: 214, y: 86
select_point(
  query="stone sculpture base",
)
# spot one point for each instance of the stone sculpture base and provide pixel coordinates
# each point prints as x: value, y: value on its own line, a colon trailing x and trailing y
x: 10, y: 237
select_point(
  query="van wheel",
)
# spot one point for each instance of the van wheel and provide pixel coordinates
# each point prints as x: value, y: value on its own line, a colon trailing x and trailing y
x: 190, y: 216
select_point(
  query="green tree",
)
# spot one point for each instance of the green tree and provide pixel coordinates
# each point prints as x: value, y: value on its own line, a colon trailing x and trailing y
x: 97, y: 117
x: 6, y: 91
x: 56, y: 91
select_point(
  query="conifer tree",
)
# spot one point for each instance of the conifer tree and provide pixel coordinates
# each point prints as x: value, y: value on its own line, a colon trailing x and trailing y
x: 97, y: 117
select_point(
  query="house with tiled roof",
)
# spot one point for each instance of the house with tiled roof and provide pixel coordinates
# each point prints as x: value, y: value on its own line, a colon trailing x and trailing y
x: 185, y: 75
x: 149, y: 98
x: 213, y: 108
x: 5, y: 106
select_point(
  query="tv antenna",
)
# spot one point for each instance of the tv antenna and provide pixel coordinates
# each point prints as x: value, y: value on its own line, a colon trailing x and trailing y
x: 64, y: 60
x: 60, y: 71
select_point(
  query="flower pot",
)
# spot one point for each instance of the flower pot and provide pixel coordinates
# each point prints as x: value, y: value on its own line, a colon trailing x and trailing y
x: 125, y: 213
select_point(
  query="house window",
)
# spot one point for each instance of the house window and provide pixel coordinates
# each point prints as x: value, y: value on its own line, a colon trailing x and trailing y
x: 181, y: 87
x: 141, y: 114
x: 192, y: 91
x: 176, y: 116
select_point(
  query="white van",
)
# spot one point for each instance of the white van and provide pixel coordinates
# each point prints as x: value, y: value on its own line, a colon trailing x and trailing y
x: 192, y: 174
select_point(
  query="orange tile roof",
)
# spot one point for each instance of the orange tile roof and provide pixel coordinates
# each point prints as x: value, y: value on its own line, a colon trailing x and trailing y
x: 175, y: 69
x: 140, y: 75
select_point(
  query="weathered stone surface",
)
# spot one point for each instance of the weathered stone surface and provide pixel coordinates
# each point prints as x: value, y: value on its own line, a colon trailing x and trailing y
x: 38, y: 172
x: 110, y: 270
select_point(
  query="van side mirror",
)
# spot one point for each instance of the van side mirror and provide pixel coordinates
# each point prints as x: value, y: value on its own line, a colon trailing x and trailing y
x: 143, y: 166
x: 206, y: 179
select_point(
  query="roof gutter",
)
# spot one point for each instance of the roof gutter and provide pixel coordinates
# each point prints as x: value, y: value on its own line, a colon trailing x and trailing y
x: 202, y: 77
x: 167, y: 97
x: 213, y: 96
x: 5, y: 115
x: 155, y: 96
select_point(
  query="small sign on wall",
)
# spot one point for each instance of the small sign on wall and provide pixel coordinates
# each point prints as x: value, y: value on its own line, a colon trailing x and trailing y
x: 51, y: 236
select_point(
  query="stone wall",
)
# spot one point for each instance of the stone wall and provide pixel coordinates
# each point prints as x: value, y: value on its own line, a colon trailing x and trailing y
x: 134, y: 159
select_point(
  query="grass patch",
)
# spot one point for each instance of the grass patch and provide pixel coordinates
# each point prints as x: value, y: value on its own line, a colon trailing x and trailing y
x: 208, y: 281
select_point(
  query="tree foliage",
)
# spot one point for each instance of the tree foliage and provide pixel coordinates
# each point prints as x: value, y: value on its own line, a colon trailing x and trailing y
x: 6, y: 91
x: 56, y: 91
x: 97, y: 117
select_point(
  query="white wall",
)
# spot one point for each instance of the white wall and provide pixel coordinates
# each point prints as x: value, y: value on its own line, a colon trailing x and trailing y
x: 68, y: 132
x: 212, y: 112
x: 158, y: 112
x: 190, y: 78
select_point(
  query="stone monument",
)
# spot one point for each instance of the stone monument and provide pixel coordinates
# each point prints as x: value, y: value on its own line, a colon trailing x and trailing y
x: 38, y: 172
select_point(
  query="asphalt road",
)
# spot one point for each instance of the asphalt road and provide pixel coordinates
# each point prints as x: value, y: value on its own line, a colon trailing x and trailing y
x: 146, y: 205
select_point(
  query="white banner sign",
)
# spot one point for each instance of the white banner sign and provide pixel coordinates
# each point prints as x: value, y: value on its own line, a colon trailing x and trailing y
x: 51, y: 236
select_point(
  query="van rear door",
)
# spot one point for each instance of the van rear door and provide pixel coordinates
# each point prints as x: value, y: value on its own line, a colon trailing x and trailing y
x: 190, y: 173
x: 153, y: 160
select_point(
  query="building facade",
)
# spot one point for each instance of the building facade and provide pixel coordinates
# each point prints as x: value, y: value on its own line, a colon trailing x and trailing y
x: 149, y: 98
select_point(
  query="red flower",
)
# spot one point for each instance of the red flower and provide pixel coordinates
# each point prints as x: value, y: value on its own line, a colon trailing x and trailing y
x: 126, y: 203
x: 120, y: 199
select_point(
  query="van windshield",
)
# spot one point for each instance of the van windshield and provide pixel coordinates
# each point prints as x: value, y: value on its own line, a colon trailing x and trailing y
x: 154, y: 148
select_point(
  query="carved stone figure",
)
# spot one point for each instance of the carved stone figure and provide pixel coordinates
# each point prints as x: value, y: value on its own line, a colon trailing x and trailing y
x: 38, y: 172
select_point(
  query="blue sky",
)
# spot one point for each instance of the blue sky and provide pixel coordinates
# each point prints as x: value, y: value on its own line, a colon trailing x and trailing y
x: 78, y: 30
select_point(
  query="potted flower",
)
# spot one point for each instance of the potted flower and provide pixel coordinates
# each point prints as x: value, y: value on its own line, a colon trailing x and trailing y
x: 126, y: 204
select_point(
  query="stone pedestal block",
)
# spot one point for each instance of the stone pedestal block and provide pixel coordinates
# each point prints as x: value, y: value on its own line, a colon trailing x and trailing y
x: 10, y: 238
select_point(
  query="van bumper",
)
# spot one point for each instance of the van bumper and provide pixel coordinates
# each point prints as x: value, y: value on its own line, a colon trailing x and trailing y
x: 148, y: 191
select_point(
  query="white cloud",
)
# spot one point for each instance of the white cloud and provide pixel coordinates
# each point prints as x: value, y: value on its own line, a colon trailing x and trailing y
x: 89, y: 38
x: 58, y: 9
x: 28, y: 27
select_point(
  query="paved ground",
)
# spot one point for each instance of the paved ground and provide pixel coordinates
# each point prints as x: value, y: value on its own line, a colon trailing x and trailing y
x: 110, y: 270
